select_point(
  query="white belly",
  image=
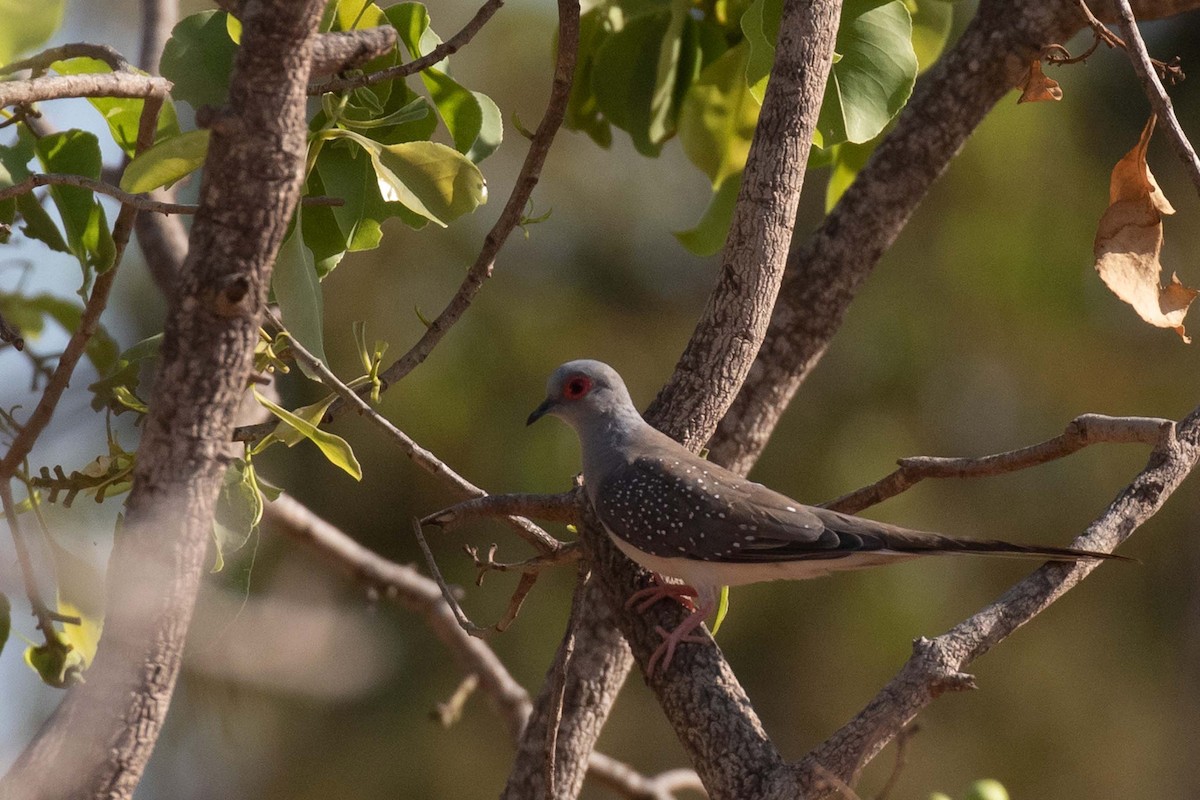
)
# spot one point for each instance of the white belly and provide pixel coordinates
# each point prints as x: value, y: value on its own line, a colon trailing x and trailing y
x: 705, y: 574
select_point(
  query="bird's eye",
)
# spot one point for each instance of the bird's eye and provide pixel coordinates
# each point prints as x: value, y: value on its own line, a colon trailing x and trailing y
x: 577, y: 387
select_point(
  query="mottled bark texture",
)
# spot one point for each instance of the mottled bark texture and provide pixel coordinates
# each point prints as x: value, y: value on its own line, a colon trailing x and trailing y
x: 97, y: 742
x: 709, y: 372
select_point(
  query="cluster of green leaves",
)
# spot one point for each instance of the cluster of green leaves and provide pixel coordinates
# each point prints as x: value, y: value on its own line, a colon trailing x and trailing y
x: 698, y: 69
x: 370, y: 148
x: 983, y: 789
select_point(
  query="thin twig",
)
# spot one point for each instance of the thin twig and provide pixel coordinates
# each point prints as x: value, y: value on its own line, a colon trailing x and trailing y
x: 1149, y: 72
x: 567, y: 553
x: 1082, y: 431
x: 564, y: 507
x: 524, y: 587
x: 460, y: 616
x: 451, y: 711
x: 510, y: 216
x: 403, y: 584
x: 526, y: 529
x: 42, y: 61
x: 902, y: 741
x: 43, y: 613
x: 560, y: 681
x: 142, y: 202
x: 442, y: 51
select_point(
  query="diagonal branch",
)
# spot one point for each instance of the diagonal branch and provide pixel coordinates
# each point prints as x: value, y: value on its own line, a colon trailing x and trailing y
x: 937, y: 664
x: 442, y: 51
x: 527, y: 530
x: 411, y: 589
x: 1082, y: 431
x: 1144, y: 67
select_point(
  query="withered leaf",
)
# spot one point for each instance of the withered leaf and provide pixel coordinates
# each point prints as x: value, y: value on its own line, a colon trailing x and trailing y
x: 1129, y: 240
x: 1037, y: 87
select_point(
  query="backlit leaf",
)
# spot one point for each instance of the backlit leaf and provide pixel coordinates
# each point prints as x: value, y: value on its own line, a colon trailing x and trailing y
x: 77, y: 152
x: 27, y: 25
x: 198, y: 59
x: 297, y: 289
x: 123, y: 114
x: 333, y: 447
x: 166, y: 162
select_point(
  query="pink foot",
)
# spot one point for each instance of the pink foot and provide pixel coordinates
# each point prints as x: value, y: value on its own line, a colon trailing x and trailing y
x: 672, y: 639
x: 661, y: 589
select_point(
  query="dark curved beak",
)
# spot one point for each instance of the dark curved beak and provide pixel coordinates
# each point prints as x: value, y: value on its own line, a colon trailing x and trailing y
x: 540, y: 411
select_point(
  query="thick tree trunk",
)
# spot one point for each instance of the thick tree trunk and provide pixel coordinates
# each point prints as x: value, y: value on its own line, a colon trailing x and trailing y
x: 97, y: 742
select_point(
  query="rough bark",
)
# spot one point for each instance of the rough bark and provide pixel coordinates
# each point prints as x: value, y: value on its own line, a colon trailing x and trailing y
x: 97, y: 742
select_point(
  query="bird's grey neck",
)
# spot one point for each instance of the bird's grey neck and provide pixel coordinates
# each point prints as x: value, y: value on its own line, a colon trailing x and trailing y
x: 608, y: 444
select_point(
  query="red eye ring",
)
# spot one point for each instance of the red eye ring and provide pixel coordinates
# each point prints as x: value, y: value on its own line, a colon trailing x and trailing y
x: 576, y: 387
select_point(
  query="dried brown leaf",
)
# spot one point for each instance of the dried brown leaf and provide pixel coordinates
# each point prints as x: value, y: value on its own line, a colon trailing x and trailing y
x: 1129, y: 240
x: 1037, y: 87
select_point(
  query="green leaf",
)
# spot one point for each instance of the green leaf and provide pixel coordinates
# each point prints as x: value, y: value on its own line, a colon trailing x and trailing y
x: 14, y: 168
x: 428, y: 178
x: 5, y: 620
x: 27, y: 25
x: 931, y: 21
x: 358, y: 14
x: 331, y: 231
x: 848, y: 161
x: 123, y: 114
x: 298, y: 291
x: 77, y: 152
x: 117, y: 390
x: 238, y: 511
x: 875, y: 76
x: 56, y: 666
x: 166, y: 162
x: 334, y: 447
x: 457, y: 107
x: 80, y: 594
x: 873, y: 72
x: 760, y: 26
x: 411, y: 21
x: 625, y: 79
x: 29, y: 312
x: 198, y: 59
x: 986, y: 789
x: 708, y: 237
x: 583, y: 112
x: 722, y: 610
x: 717, y: 122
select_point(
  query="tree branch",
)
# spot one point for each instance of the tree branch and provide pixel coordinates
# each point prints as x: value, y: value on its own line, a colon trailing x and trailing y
x: 527, y: 530
x: 1155, y: 92
x: 442, y: 51
x: 100, y: 84
x: 936, y: 665
x: 422, y: 596
x: 334, y: 52
x: 514, y: 209
x: 1082, y: 431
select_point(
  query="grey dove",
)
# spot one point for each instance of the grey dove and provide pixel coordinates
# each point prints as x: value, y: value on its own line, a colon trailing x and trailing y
x: 689, y: 519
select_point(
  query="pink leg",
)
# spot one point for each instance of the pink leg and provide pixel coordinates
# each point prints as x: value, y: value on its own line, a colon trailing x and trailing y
x: 682, y: 633
x: 642, y: 599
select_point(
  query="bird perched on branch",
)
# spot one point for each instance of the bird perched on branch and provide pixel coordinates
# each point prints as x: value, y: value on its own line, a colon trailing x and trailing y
x: 685, y: 518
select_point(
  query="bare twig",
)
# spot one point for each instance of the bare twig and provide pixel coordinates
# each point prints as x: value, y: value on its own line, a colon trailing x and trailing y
x: 1082, y: 431
x: 100, y: 84
x: 460, y: 616
x: 442, y: 51
x: 514, y: 209
x: 525, y: 528
x: 451, y: 711
x: 45, y: 617
x: 902, y: 741
x: 936, y: 665
x: 567, y: 553
x: 423, y: 596
x: 565, y: 507
x: 1150, y: 74
x: 42, y: 61
x: 563, y: 668
x: 142, y: 202
x: 524, y: 587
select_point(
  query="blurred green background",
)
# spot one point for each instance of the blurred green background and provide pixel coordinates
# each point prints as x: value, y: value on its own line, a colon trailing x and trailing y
x: 985, y: 328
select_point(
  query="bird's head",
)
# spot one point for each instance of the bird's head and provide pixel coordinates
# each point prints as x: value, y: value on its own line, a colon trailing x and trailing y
x: 584, y: 391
